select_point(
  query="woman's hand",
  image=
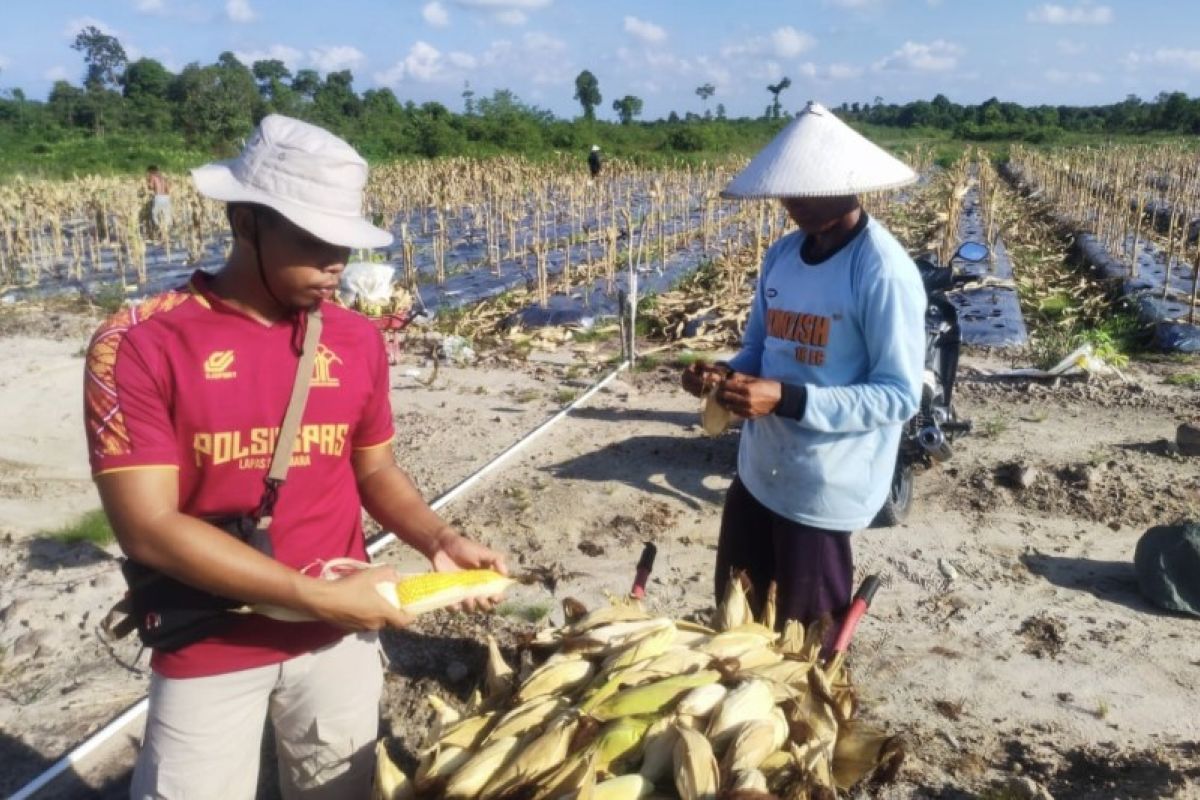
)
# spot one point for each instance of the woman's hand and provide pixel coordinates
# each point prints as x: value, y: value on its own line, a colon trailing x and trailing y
x: 749, y: 397
x: 455, y: 551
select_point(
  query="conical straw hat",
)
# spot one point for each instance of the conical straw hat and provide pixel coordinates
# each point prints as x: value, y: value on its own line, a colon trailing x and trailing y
x: 818, y: 155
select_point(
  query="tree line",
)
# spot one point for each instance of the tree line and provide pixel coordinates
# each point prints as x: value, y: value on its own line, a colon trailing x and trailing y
x: 1169, y: 112
x: 131, y: 106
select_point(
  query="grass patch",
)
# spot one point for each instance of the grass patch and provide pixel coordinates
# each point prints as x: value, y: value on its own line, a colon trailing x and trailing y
x: 526, y: 395
x: 1191, y: 380
x: 992, y: 427
x: 91, y: 527
x: 530, y: 612
x: 564, y: 396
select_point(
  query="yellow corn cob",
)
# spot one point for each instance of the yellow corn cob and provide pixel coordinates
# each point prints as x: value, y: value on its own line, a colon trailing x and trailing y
x: 559, y: 677
x: 471, y: 777
x: 390, y: 781
x: 696, y: 772
x: 537, y: 758
x: 653, y: 697
x: 416, y: 594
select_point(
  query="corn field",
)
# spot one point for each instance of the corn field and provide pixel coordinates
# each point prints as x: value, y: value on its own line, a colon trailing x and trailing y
x: 1141, y: 202
x: 546, y: 221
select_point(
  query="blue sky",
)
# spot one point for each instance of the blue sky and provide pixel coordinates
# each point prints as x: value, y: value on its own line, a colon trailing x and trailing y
x: 1071, y: 52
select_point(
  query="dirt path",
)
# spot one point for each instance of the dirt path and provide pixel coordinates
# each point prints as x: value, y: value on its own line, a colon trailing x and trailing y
x: 1009, y: 639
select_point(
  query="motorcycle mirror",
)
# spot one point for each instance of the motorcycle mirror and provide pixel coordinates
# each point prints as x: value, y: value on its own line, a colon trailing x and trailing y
x: 972, y: 251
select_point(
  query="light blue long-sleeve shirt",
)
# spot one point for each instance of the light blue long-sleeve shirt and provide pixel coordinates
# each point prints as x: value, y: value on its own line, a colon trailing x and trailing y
x: 850, y: 329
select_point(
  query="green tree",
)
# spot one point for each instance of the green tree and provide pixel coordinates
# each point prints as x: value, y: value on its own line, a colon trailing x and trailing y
x: 627, y: 108
x: 104, y: 56
x: 587, y: 92
x: 274, y: 80
x: 775, y: 90
x: 218, y: 104
x: 306, y: 83
x: 335, y: 105
x: 704, y: 92
x: 146, y: 85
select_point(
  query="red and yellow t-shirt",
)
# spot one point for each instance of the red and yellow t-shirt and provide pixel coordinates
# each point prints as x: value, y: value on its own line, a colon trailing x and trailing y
x: 187, y: 382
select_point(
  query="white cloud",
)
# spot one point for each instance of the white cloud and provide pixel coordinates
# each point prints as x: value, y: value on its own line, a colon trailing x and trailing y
x: 4, y: 62
x: 785, y: 42
x: 57, y: 73
x: 77, y: 24
x: 1072, y: 78
x: 512, y: 17
x: 855, y: 5
x: 646, y: 31
x: 831, y: 72
x: 789, y: 42
x: 332, y: 58
x: 1071, y: 48
x: 290, y: 56
x: 936, y: 56
x: 151, y: 7
x: 506, y: 12
x: 239, y: 11
x: 501, y: 5
x: 435, y: 14
x: 1079, y: 14
x: 1165, y: 57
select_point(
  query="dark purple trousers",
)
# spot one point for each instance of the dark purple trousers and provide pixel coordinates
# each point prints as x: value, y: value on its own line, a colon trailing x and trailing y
x: 813, y: 568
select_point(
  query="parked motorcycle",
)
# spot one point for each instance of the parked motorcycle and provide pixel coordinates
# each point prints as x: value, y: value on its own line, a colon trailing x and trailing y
x: 926, y: 438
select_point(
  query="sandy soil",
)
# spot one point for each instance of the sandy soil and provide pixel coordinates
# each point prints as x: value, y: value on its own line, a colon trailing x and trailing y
x: 1009, y: 641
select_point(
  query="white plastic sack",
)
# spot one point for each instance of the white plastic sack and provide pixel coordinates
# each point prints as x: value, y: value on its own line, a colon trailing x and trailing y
x: 367, y: 282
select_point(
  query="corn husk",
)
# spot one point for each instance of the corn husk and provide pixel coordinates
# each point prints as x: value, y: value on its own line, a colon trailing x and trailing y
x: 697, y: 775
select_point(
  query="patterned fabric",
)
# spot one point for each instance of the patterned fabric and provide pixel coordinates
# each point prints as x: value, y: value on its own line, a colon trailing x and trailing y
x: 101, y: 404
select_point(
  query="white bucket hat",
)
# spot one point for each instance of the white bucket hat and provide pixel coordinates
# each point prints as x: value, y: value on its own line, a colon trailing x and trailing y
x: 305, y: 173
x: 818, y: 155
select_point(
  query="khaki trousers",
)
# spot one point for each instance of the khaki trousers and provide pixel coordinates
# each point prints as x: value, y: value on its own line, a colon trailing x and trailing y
x: 203, y: 735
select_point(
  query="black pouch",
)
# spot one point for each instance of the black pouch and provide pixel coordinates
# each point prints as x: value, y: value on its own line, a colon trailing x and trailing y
x: 168, y: 614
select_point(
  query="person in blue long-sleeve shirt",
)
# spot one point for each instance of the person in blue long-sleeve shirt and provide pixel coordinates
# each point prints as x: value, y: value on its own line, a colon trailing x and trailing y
x: 829, y: 370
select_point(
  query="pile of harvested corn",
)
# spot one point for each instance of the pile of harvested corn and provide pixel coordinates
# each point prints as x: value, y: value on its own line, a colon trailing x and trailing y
x: 627, y: 705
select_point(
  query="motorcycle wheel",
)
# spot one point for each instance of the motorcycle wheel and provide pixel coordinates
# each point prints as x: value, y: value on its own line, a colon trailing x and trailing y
x: 899, y: 500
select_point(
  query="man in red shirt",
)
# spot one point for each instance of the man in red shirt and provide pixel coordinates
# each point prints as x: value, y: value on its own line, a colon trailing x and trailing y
x: 184, y: 397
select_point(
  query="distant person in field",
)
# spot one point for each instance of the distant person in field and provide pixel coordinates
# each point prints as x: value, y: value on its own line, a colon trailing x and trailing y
x: 160, y: 203
x: 829, y: 370
x: 594, y: 162
x: 185, y: 395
